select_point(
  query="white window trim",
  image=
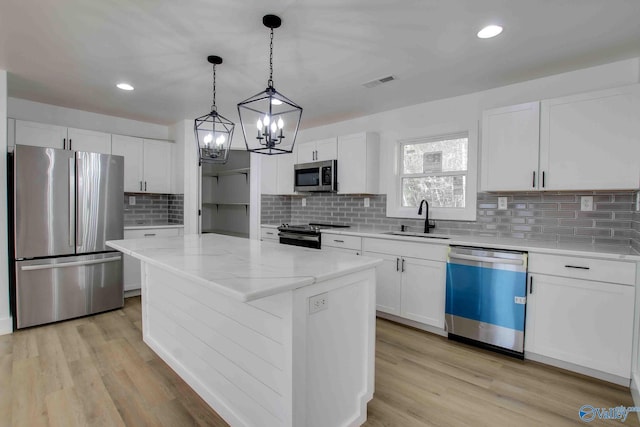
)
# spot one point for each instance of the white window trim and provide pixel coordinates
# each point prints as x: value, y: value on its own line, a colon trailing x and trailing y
x: 468, y: 213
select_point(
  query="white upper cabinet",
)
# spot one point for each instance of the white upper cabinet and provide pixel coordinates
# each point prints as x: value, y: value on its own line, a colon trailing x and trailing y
x: 147, y: 164
x: 40, y: 135
x: 358, y: 163
x: 277, y: 174
x: 591, y: 141
x: 157, y: 166
x: 315, y: 151
x: 133, y: 150
x: 52, y: 136
x: 510, y: 140
x: 88, y: 140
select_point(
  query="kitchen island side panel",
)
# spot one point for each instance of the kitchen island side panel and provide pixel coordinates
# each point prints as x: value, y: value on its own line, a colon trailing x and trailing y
x: 268, y: 362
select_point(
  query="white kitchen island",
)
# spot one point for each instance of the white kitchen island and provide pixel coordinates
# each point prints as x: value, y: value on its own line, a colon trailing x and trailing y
x: 235, y: 319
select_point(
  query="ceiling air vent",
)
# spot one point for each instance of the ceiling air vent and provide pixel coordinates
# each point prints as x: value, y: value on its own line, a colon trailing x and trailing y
x: 376, y: 82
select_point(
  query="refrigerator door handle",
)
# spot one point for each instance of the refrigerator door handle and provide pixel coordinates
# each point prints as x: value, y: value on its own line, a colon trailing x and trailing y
x: 79, y: 212
x: 72, y: 201
x: 69, y: 264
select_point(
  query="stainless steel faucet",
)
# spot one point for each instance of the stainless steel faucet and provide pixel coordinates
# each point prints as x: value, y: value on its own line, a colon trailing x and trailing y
x: 427, y: 225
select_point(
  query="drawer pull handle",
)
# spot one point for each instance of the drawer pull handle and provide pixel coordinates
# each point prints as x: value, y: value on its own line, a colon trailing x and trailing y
x: 338, y: 241
x: 269, y: 232
x: 149, y: 234
x: 579, y: 267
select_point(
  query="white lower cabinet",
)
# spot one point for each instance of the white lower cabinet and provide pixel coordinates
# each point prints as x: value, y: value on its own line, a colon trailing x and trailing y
x: 269, y: 233
x: 131, y: 266
x: 583, y: 322
x: 341, y: 243
x: 407, y: 286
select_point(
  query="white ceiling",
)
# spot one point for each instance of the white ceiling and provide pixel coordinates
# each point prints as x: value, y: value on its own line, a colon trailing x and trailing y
x: 72, y: 52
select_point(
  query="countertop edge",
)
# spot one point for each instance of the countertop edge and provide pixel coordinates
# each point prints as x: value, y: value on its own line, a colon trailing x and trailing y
x: 145, y: 226
x: 524, y: 246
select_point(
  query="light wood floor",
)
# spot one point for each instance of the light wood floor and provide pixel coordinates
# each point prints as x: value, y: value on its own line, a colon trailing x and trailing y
x: 96, y: 371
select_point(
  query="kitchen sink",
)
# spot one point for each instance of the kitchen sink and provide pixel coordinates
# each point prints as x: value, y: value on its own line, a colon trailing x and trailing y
x: 414, y: 234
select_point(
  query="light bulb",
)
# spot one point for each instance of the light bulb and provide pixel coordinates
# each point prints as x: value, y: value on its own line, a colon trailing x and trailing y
x: 266, y: 120
x: 280, y: 123
x: 259, y: 124
x: 275, y: 101
x: 220, y: 140
x: 208, y: 138
x: 274, y: 127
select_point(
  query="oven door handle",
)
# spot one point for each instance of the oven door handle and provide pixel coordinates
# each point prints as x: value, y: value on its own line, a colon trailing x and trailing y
x: 296, y: 236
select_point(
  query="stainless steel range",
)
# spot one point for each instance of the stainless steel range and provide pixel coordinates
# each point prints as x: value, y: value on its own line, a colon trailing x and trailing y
x: 307, y: 235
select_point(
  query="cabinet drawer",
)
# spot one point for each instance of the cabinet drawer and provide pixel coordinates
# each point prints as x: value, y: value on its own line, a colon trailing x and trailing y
x: 584, y: 268
x: 408, y: 249
x: 151, y: 232
x: 269, y: 233
x: 340, y: 241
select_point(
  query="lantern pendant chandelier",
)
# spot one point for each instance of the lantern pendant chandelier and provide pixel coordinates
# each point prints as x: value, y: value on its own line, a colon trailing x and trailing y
x: 213, y: 131
x: 270, y: 120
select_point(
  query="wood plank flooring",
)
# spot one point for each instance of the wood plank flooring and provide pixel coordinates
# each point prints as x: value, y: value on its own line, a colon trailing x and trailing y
x: 96, y: 371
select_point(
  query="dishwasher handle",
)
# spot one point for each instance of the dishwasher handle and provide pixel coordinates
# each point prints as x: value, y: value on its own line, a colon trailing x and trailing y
x: 492, y: 260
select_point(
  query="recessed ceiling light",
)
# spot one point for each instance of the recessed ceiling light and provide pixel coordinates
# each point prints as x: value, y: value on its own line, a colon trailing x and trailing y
x: 124, y: 86
x: 276, y: 101
x: 489, y: 31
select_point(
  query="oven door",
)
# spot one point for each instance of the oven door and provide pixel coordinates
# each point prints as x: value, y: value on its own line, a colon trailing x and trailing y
x: 300, y: 239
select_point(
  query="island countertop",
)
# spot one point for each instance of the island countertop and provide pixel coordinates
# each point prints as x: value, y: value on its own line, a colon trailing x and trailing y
x: 244, y: 269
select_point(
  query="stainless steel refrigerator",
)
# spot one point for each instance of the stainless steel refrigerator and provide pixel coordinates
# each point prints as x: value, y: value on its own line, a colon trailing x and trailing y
x: 66, y: 205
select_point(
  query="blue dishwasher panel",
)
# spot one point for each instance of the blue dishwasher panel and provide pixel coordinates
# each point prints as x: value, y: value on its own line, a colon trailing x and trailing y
x: 486, y: 298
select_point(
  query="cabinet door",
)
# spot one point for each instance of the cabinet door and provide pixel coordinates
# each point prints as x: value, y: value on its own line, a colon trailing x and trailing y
x: 306, y: 152
x: 285, y: 180
x: 509, y: 153
x: 582, y: 322
x: 387, y: 283
x: 423, y: 291
x: 327, y: 149
x: 157, y: 166
x: 131, y: 273
x: 590, y: 141
x: 132, y: 149
x: 359, y: 154
x: 269, y: 174
x: 40, y: 134
x: 88, y: 140
x: 352, y: 178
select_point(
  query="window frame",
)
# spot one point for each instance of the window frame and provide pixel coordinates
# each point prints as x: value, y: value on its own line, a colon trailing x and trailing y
x: 469, y: 212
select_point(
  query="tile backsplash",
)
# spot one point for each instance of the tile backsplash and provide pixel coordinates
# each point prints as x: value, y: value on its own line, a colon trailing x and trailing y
x: 154, y: 209
x: 549, y: 216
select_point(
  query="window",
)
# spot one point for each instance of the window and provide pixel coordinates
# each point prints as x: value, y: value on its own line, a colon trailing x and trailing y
x: 440, y: 169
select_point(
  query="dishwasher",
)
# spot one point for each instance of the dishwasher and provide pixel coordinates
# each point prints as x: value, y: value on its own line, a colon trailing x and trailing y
x: 486, y: 298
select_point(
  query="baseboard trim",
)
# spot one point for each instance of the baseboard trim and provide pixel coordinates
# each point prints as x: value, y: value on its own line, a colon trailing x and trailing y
x: 6, y: 326
x: 616, y: 379
x: 412, y: 323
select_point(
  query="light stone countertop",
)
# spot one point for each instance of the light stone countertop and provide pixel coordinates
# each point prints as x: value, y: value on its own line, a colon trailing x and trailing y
x: 619, y: 252
x: 245, y: 269
x: 148, y: 226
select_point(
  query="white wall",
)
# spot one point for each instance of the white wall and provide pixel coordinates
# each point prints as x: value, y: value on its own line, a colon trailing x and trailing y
x: 182, y: 133
x: 6, y: 323
x: 51, y: 114
x: 462, y: 112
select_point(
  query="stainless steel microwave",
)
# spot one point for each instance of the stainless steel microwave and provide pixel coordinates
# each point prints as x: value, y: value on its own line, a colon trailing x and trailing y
x: 316, y: 176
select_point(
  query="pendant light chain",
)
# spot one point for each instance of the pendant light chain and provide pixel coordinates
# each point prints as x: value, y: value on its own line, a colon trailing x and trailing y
x: 213, y: 105
x: 271, y: 60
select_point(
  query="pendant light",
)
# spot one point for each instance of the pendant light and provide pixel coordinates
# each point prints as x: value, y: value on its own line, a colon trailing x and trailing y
x: 213, y: 131
x: 270, y: 120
